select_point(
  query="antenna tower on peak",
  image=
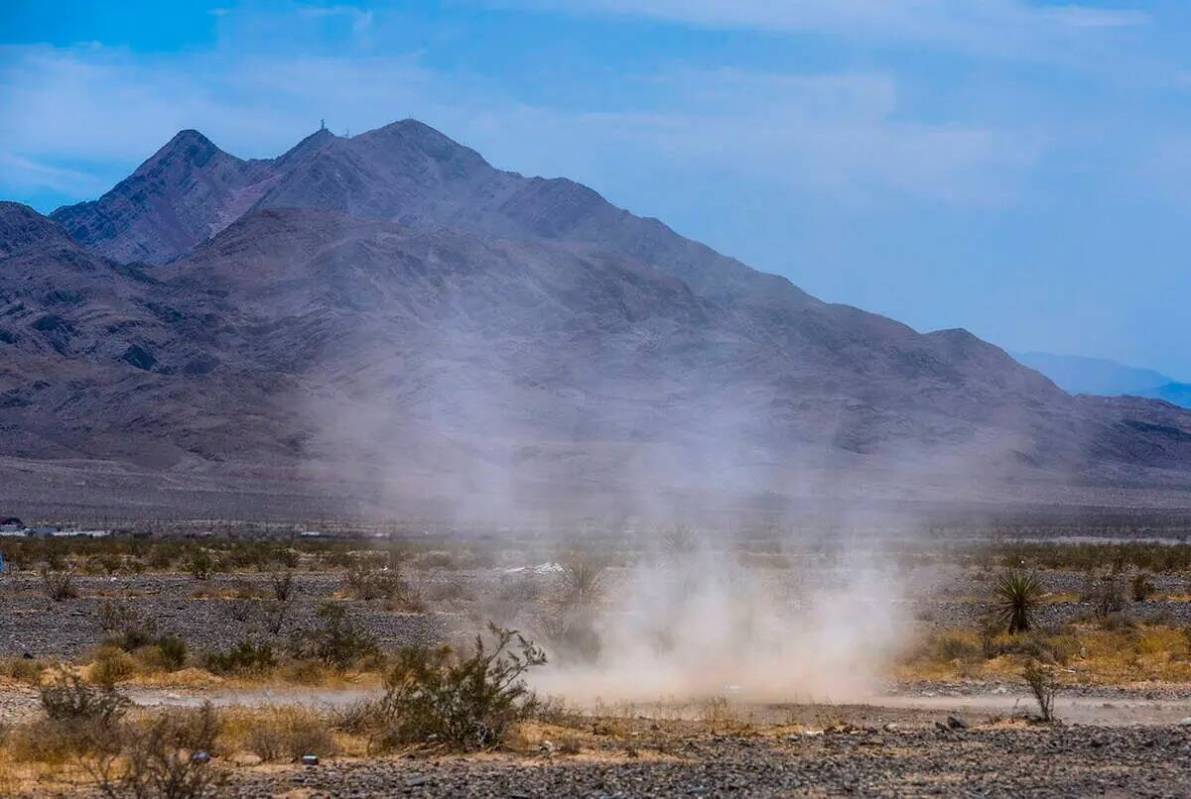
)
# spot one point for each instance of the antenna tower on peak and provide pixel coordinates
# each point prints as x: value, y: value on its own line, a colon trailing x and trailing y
x: 322, y: 124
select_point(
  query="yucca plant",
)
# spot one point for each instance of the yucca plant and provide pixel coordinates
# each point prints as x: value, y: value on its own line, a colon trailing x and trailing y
x: 1017, y: 595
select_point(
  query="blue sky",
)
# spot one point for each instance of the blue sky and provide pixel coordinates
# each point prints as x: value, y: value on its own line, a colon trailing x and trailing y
x: 1018, y: 168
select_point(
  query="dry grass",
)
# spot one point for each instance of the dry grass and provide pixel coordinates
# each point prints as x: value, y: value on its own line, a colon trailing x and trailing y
x: 1089, y: 654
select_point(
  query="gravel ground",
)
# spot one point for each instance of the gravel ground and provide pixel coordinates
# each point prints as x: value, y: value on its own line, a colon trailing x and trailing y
x: 1036, y: 762
x: 205, y: 615
x: 34, y: 624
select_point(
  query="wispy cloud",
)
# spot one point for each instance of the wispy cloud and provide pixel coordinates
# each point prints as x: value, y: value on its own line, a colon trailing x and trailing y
x: 833, y: 133
x: 22, y: 173
x: 994, y: 27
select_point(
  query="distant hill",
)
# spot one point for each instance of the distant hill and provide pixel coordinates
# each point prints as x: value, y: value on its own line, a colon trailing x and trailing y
x: 1080, y: 375
x: 391, y: 323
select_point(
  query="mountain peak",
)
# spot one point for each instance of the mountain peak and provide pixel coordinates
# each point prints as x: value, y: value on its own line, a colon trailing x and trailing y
x: 23, y: 229
x: 311, y: 144
x: 187, y: 146
x: 422, y: 137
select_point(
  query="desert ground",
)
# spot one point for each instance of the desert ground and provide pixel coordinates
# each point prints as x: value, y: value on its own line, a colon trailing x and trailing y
x: 256, y: 662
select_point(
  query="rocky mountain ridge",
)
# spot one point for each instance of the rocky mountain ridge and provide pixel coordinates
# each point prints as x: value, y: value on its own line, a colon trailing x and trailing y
x: 392, y: 310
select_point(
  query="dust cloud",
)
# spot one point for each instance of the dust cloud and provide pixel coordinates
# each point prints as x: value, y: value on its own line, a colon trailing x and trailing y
x: 698, y: 624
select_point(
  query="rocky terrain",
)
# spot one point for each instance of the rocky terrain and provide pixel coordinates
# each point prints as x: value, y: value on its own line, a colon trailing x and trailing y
x: 919, y: 761
x: 960, y: 735
x: 388, y: 321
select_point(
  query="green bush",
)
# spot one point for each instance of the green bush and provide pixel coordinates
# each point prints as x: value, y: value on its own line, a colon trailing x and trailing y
x: 1142, y: 586
x: 337, y: 640
x: 437, y: 697
x: 244, y: 657
x: 171, y: 651
x: 201, y: 565
x: 125, y: 626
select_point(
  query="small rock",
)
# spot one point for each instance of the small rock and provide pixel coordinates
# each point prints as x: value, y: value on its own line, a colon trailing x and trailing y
x: 956, y: 723
x: 1185, y: 722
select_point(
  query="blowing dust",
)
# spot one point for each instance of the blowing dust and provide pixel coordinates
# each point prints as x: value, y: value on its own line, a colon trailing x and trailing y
x: 698, y: 624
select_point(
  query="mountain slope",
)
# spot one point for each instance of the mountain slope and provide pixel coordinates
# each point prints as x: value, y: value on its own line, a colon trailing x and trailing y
x: 1080, y: 375
x: 392, y: 311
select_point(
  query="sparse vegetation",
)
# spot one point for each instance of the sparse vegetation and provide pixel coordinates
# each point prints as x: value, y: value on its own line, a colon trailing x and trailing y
x: 337, y: 641
x: 1107, y: 597
x: 246, y: 657
x: 1142, y: 587
x: 287, y: 734
x: 367, y: 580
x: 70, y: 699
x: 166, y: 758
x: 59, y: 585
x: 282, y: 583
x: 125, y: 626
x: 1043, y: 686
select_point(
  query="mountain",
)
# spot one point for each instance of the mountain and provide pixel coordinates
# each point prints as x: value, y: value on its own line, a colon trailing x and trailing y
x: 388, y: 325
x: 1080, y: 375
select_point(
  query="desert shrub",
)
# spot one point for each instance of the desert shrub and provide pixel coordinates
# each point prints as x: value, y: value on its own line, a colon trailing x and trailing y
x: 515, y: 591
x: 1044, y: 687
x: 1035, y: 645
x: 448, y: 591
x: 273, y: 615
x: 1142, y: 587
x: 125, y: 626
x: 358, y: 718
x: 171, y: 652
x: 70, y: 698
x: 1117, y: 622
x: 304, y: 672
x: 435, y: 696
x: 59, y: 585
x: 282, y: 584
x: 47, y: 741
x: 111, y: 665
x: 953, y: 645
x: 365, y: 580
x: 245, y: 657
x: 22, y: 669
x: 1016, y: 598
x: 337, y: 641
x: 167, y: 758
x: 1107, y: 597
x: 582, y: 576
x: 201, y: 565
x: 240, y: 610
x: 288, y: 734
x: 570, y: 632
x: 437, y: 560
x: 242, y: 589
